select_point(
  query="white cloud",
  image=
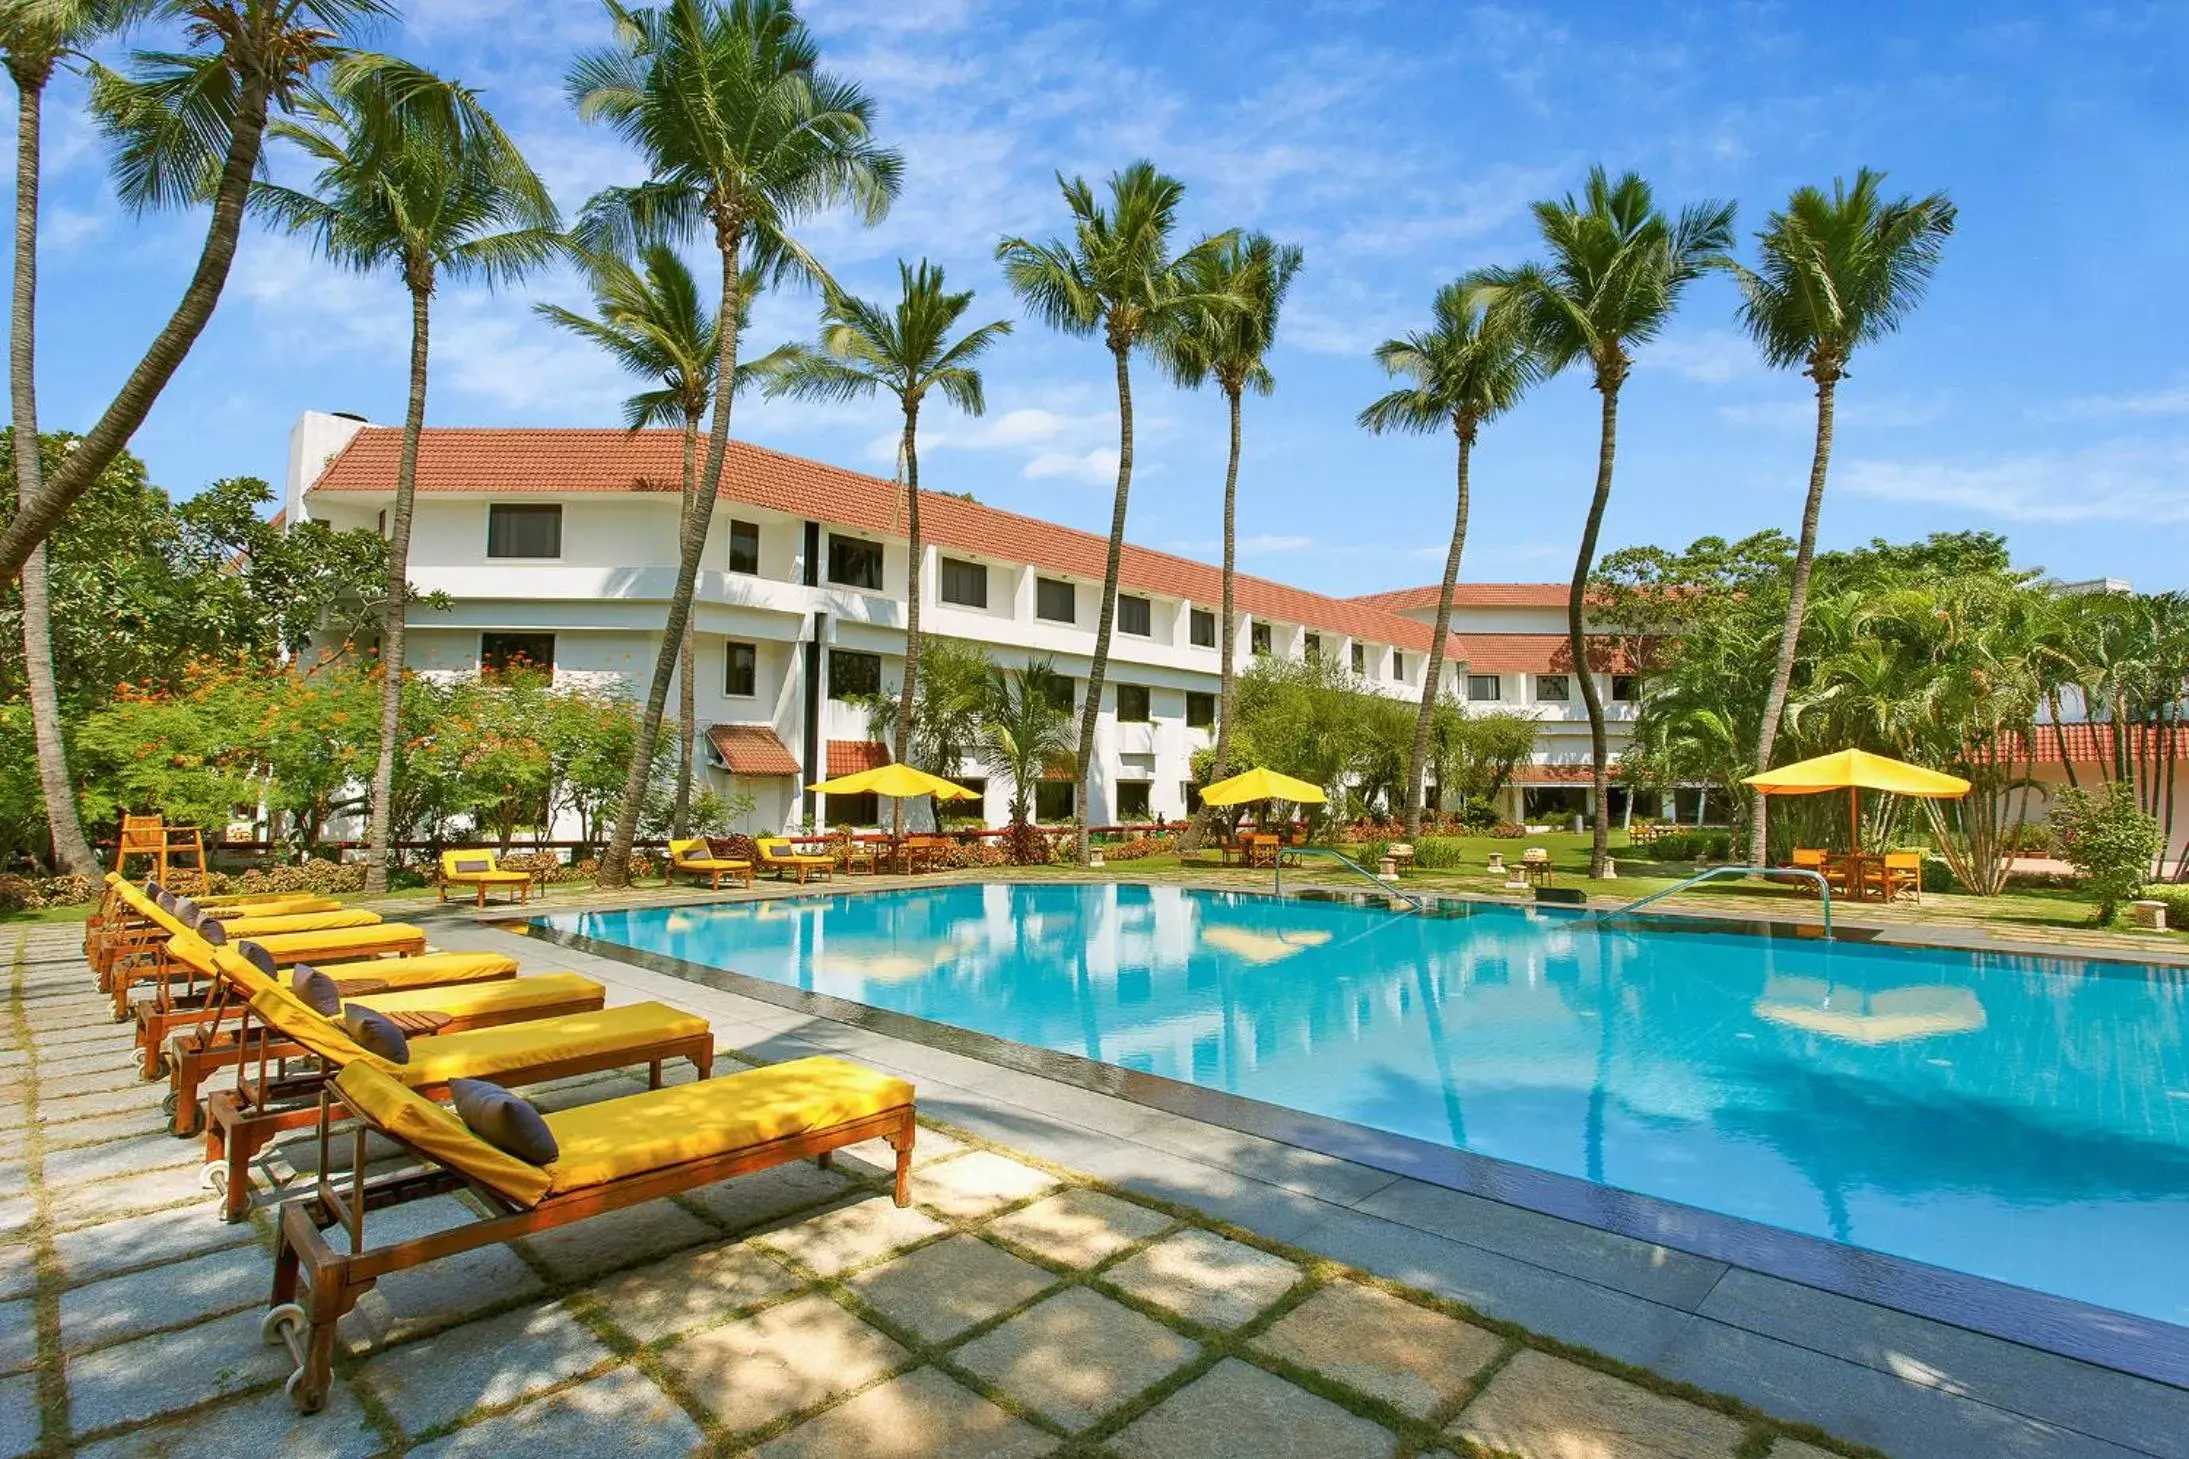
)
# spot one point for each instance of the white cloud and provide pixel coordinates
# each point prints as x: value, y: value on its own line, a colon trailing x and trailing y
x: 1714, y: 357
x: 1097, y: 467
x: 1800, y: 412
x: 2113, y: 481
x: 2172, y: 400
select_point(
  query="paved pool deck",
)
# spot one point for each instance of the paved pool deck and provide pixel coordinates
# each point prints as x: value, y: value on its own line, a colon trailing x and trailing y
x: 1061, y: 1230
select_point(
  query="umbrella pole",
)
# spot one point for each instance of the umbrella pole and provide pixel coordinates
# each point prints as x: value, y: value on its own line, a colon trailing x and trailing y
x: 1854, y: 820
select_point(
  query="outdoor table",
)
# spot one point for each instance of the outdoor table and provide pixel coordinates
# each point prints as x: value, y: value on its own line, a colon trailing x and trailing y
x: 1864, y: 872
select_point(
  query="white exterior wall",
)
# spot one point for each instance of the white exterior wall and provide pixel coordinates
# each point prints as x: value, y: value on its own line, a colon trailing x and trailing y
x: 604, y: 598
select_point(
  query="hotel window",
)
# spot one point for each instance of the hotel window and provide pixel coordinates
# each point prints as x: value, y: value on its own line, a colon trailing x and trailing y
x: 501, y: 652
x: 1398, y: 665
x: 1056, y: 601
x: 1552, y: 688
x: 861, y: 809
x: 965, y: 583
x: 1203, y: 628
x: 1484, y: 688
x: 1053, y: 800
x: 741, y: 670
x: 1311, y: 648
x: 745, y: 547
x: 855, y: 563
x: 1058, y: 691
x: 1132, y: 703
x: 523, y: 531
x: 1360, y: 659
x: 1134, y: 616
x: 1622, y: 688
x: 1200, y: 710
x: 1132, y: 799
x: 1258, y: 638
x: 851, y: 673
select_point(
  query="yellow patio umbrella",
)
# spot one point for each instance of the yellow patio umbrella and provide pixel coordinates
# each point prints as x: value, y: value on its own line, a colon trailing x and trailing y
x: 898, y: 781
x: 1261, y: 783
x: 1855, y: 771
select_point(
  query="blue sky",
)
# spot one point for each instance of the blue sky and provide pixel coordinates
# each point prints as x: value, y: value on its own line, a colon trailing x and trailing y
x: 2041, y: 392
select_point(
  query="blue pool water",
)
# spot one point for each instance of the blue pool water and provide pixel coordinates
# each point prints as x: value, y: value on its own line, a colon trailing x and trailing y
x: 2016, y: 1118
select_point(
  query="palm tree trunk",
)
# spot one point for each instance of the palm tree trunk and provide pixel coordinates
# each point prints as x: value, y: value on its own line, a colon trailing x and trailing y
x: 70, y: 849
x: 1106, y: 619
x: 392, y: 622
x: 106, y: 438
x: 905, y: 699
x: 1576, y: 628
x: 681, y: 818
x: 1227, y: 646
x: 1797, y: 603
x: 1417, y: 758
x: 615, y: 868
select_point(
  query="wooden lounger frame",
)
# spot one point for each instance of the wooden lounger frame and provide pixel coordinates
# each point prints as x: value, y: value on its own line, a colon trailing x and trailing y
x: 270, y: 1097
x: 337, y: 1279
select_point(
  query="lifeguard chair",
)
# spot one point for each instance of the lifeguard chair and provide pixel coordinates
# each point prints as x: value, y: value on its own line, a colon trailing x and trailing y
x: 168, y: 847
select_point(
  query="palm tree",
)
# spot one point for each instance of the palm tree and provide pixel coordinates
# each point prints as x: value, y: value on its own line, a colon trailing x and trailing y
x: 414, y: 178
x: 743, y: 135
x: 188, y: 127
x: 655, y: 325
x: 1471, y: 365
x: 1243, y: 284
x: 1025, y: 731
x: 35, y: 37
x: 907, y: 352
x: 1115, y: 276
x: 1836, y: 272
x: 1616, y: 272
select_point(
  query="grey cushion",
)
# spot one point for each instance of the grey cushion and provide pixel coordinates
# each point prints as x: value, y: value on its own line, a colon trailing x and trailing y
x: 374, y: 1034
x: 166, y: 900
x: 316, y: 989
x: 474, y: 863
x: 211, y: 930
x: 258, y: 957
x: 504, y: 1120
x: 153, y: 889
x: 185, y: 911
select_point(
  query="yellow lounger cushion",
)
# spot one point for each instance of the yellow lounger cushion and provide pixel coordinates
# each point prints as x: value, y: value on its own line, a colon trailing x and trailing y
x: 417, y: 1121
x: 305, y: 947
x: 483, y: 1053
x: 491, y: 878
x: 623, y: 1137
x: 272, y: 907
x: 427, y: 970
x: 712, y: 863
x: 475, y: 1000
x: 257, y: 926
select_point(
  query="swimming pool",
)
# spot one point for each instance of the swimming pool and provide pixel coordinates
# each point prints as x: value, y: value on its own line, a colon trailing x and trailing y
x: 2020, y: 1119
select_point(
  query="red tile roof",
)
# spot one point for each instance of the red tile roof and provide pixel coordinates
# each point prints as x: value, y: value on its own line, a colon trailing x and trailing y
x: 1539, y: 653
x: 849, y: 757
x: 1470, y: 595
x: 2093, y: 744
x: 752, y: 749
x: 1558, y: 774
x: 510, y: 462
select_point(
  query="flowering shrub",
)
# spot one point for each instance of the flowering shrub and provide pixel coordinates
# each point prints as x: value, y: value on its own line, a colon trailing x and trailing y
x: 28, y: 894
x: 546, y: 867
x: 1139, y: 847
x: 319, y: 877
x: 1507, y: 831
x: 1025, y: 845
x: 735, y: 847
x: 964, y: 854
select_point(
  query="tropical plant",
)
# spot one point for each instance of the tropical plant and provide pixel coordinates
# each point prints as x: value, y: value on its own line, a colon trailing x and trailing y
x: 1470, y: 366
x: 2109, y: 838
x: 187, y: 127
x: 1226, y: 338
x: 416, y: 179
x: 743, y: 135
x: 1025, y: 731
x: 945, y: 729
x: 36, y: 36
x: 905, y: 351
x: 1835, y: 273
x: 655, y: 325
x: 1616, y: 270
x: 1115, y: 276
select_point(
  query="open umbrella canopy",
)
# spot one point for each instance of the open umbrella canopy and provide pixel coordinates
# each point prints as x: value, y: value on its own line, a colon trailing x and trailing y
x: 1858, y: 770
x: 898, y: 781
x: 1261, y: 783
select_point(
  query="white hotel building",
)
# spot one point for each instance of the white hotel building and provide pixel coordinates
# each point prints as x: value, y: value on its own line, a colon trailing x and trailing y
x: 560, y: 546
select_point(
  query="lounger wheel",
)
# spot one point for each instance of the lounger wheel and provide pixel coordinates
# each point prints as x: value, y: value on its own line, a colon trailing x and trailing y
x: 280, y: 1326
x: 213, y: 1176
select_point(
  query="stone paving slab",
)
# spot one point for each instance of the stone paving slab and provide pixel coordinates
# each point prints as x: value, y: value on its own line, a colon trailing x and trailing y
x: 118, y: 1157
x: 1409, y: 1357
x: 693, y: 1289
x: 618, y: 1239
x: 1541, y: 1407
x: 1075, y: 1356
x: 407, y: 1304
x: 163, y: 1236
x: 168, y: 1295
x: 853, y: 1235
x: 975, y: 1184
x: 939, y: 1291
x: 500, y: 1360
x: 1237, y: 1411
x: 920, y: 1415
x: 757, y: 1200
x: 18, y: 1268
x: 170, y: 1371
x: 753, y: 1371
x: 18, y: 1335
x: 1079, y: 1228
x: 19, y: 1419
x: 1206, y: 1278
x: 618, y: 1413
x: 265, y: 1426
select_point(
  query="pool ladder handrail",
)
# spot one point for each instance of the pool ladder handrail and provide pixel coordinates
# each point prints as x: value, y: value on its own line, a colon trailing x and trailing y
x: 1824, y: 888
x: 1381, y: 885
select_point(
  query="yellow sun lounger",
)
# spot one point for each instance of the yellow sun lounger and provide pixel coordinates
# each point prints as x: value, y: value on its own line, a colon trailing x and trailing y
x: 268, y: 1099
x: 214, y: 1042
x: 481, y: 869
x: 607, y: 1156
x: 112, y: 921
x: 695, y: 859
x: 783, y: 857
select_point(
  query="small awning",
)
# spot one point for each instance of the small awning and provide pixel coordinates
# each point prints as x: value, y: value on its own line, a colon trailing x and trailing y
x: 849, y: 757
x: 1553, y: 772
x: 752, y: 749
